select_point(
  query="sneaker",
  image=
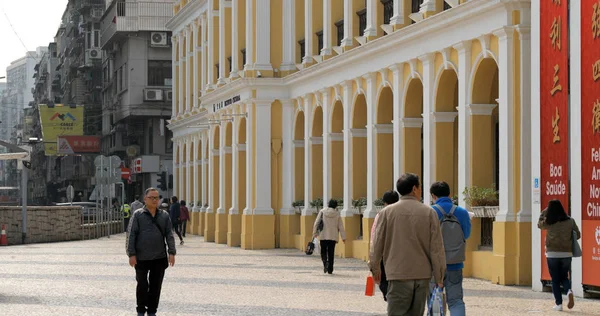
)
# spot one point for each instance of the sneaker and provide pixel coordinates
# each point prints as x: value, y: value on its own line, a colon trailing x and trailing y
x: 181, y: 243
x: 571, y: 299
x: 557, y: 308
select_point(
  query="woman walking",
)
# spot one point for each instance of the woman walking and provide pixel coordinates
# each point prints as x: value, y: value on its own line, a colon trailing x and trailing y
x: 329, y: 235
x: 559, y: 249
x: 185, y: 217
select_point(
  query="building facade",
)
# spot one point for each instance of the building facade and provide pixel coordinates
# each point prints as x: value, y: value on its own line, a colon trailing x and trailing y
x: 45, y: 91
x: 137, y: 89
x: 280, y: 105
x: 17, y: 98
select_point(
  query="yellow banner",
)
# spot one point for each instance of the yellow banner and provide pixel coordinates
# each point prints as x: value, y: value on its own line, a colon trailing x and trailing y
x: 57, y: 121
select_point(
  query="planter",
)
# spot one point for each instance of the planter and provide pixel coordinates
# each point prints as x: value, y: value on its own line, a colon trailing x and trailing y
x: 299, y: 209
x: 378, y: 208
x: 478, y: 210
x: 491, y: 211
x: 355, y: 210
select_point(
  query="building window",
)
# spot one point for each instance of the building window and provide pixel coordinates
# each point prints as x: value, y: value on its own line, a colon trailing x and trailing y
x: 159, y: 72
x: 302, y: 52
x: 243, y: 57
x: 93, y: 35
x: 217, y: 65
x: 168, y: 141
x: 447, y: 6
x: 340, y: 31
x: 388, y: 11
x: 319, y: 41
x: 487, y: 233
x: 230, y: 63
x: 362, y: 21
x: 416, y: 6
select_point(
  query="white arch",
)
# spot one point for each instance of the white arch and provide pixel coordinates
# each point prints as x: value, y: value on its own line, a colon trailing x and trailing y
x: 438, y: 78
x: 474, y: 69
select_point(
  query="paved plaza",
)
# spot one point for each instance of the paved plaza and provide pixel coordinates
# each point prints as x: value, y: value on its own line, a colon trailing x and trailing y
x: 93, y: 278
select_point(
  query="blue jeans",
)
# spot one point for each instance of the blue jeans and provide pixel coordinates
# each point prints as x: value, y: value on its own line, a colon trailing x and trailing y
x: 559, y: 271
x: 454, y: 292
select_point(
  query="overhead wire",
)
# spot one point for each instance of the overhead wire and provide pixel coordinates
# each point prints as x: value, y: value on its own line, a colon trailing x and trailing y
x: 18, y: 37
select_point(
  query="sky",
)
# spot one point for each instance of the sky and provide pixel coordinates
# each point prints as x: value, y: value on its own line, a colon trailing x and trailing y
x: 35, y: 22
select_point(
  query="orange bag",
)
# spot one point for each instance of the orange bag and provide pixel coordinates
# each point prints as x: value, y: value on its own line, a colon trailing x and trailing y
x: 370, y: 286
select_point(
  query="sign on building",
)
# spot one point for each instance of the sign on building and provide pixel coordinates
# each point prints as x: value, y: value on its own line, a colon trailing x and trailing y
x: 68, y: 145
x: 554, y: 118
x: 59, y: 120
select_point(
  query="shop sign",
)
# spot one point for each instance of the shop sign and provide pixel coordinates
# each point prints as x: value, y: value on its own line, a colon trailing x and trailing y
x: 225, y: 103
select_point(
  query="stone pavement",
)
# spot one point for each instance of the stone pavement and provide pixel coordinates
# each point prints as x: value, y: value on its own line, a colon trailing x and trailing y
x: 93, y: 278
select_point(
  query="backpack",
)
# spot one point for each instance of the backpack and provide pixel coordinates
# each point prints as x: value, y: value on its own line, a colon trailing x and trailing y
x: 453, y: 236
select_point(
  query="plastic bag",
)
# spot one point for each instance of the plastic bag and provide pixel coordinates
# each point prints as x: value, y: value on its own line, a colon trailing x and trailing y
x: 317, y: 246
x: 437, y: 302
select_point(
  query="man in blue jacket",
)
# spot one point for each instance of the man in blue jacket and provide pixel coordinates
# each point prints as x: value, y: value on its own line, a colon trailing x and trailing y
x: 440, y: 192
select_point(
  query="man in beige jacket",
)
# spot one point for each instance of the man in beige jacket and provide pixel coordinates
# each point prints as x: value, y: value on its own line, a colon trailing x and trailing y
x: 408, y: 239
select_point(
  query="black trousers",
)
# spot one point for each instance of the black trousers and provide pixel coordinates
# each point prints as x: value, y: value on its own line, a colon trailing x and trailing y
x: 149, y: 275
x: 183, y: 227
x: 177, y: 229
x: 327, y: 253
x: 125, y: 223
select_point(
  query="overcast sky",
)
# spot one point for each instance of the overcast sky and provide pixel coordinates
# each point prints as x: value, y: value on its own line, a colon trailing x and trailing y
x: 36, y: 23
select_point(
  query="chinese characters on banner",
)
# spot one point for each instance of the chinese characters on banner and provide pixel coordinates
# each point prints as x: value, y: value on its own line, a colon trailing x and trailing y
x: 590, y: 140
x: 554, y: 118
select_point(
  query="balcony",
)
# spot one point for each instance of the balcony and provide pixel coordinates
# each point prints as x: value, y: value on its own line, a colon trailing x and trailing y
x: 125, y: 17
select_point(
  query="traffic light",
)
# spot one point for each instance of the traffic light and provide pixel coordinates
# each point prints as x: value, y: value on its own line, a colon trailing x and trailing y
x: 162, y: 181
x: 170, y: 181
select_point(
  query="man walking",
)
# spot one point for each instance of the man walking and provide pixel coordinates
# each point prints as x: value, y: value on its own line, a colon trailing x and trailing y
x: 175, y: 213
x: 148, y: 230
x: 456, y: 229
x: 137, y: 204
x: 408, y: 236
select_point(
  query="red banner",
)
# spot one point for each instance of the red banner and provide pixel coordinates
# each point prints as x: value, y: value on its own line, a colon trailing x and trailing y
x: 68, y: 145
x: 590, y: 140
x: 554, y: 118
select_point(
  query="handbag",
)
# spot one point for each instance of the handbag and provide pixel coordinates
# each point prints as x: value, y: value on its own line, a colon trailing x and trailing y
x: 574, y: 244
x: 320, y: 223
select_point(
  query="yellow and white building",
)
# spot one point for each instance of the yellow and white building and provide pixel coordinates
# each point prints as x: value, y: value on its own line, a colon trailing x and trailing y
x: 438, y: 88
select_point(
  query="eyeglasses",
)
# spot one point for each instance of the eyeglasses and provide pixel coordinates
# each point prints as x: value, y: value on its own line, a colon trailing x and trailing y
x: 154, y: 198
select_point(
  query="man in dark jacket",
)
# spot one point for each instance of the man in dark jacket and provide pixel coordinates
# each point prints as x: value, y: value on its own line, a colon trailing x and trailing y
x: 148, y: 230
x: 175, y: 213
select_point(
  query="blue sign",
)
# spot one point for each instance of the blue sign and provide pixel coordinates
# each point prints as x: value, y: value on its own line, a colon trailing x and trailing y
x: 536, y: 183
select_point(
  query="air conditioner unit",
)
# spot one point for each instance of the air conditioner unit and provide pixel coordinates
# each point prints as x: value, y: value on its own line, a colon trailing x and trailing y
x: 97, y: 13
x: 169, y: 95
x: 158, y: 39
x: 92, y: 54
x: 153, y: 95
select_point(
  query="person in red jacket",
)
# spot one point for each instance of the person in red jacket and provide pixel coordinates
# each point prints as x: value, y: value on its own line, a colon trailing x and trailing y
x: 185, y: 217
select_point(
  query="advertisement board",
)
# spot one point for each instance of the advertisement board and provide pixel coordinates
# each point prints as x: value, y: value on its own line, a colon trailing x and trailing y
x: 554, y: 107
x: 68, y: 145
x: 59, y: 120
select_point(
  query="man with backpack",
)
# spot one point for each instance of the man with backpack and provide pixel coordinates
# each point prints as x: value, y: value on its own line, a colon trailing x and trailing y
x: 455, y: 224
x: 148, y: 238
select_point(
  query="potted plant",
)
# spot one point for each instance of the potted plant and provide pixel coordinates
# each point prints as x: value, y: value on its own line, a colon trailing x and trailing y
x: 483, y: 201
x: 298, y: 205
x: 474, y: 197
x: 359, y: 204
x: 340, y: 203
x: 378, y: 204
x: 492, y: 203
x: 317, y: 203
